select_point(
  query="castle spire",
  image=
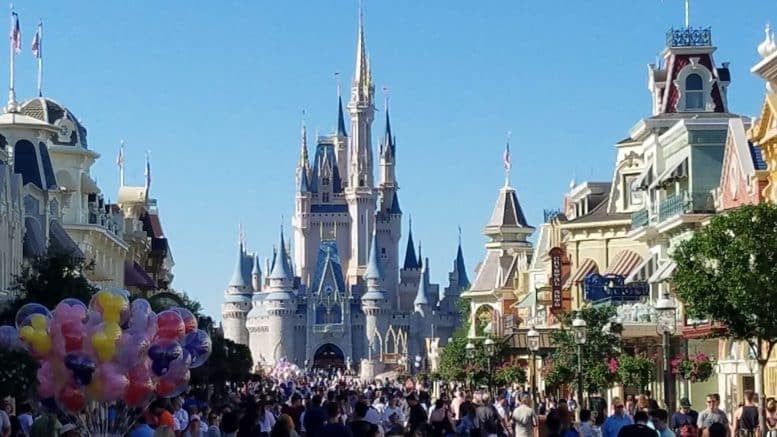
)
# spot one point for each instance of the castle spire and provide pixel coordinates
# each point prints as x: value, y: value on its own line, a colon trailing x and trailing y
x: 340, y: 117
x: 411, y: 261
x: 281, y: 269
x: 460, y: 267
x: 387, y: 147
x: 303, y: 154
x: 374, y: 272
x: 422, y: 297
x: 362, y: 81
x: 238, y: 281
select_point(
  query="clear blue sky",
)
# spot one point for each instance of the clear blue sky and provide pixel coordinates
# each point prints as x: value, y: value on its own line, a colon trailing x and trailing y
x: 215, y: 90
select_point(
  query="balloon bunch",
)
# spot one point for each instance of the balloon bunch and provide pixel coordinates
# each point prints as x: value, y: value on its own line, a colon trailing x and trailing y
x: 109, y: 351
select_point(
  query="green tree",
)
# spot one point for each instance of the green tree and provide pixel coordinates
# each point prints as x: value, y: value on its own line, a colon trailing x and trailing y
x: 599, y: 349
x: 726, y: 272
x: 47, y: 280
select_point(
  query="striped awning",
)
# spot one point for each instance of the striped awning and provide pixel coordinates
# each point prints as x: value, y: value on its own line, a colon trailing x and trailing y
x: 625, y: 262
x: 586, y: 267
x: 664, y: 272
x: 645, y: 179
x: 673, y: 173
x: 644, y: 270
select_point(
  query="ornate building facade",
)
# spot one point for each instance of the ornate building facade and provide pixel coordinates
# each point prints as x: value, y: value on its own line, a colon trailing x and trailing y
x: 342, y: 296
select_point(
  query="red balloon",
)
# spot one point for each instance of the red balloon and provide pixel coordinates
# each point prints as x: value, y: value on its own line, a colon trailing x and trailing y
x: 73, y: 334
x: 165, y: 388
x: 189, y: 320
x: 140, y: 390
x: 72, y: 398
x: 170, y: 325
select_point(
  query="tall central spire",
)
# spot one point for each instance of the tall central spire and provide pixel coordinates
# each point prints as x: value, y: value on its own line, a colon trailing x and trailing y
x: 361, y: 77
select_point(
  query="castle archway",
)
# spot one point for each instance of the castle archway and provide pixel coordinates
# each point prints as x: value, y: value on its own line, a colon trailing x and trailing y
x: 329, y: 356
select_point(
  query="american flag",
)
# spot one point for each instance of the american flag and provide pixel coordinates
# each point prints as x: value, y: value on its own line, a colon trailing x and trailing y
x: 120, y: 158
x: 506, y: 157
x: 36, y: 43
x: 16, y: 34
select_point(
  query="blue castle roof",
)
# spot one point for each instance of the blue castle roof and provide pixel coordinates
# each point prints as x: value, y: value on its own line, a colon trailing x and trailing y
x: 411, y: 260
x: 328, y: 263
x: 281, y: 268
x: 422, y: 297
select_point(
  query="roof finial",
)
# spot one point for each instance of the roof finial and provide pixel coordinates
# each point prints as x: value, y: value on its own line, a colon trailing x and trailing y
x: 506, y: 157
x: 459, y: 235
x: 687, y: 13
x: 385, y: 90
x: 120, y: 163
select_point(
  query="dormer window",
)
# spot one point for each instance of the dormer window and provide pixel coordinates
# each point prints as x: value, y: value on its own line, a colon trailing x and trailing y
x: 694, y: 92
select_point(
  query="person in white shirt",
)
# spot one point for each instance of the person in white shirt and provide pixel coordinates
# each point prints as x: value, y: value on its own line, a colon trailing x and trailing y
x: 265, y: 420
x: 392, y: 408
x: 180, y: 416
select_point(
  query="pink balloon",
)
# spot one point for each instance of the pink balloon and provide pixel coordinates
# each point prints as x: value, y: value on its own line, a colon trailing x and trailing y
x: 70, y: 310
x: 114, y: 382
x: 132, y: 349
x: 143, y: 320
x: 47, y: 385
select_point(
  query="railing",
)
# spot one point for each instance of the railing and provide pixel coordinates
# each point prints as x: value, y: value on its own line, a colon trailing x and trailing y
x: 335, y: 328
x: 683, y: 202
x: 637, y: 313
x: 103, y: 220
x: 639, y: 218
x: 689, y: 37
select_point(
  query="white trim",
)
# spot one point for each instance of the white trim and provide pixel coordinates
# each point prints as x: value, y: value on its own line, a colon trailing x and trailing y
x: 707, y: 79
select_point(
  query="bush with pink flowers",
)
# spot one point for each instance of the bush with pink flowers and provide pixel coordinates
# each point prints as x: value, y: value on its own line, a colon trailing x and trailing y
x: 696, y: 368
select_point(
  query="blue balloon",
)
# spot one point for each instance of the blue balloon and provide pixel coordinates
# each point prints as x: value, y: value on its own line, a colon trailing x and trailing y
x: 82, y: 366
x: 198, y: 344
x: 9, y: 338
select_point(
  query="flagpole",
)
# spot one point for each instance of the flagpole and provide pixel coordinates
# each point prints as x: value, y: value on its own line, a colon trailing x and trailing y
x: 40, y: 59
x: 121, y: 164
x: 507, y: 160
x: 11, y: 94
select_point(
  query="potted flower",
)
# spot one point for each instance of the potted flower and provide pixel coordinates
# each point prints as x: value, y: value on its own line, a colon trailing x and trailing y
x: 635, y: 371
x: 696, y: 368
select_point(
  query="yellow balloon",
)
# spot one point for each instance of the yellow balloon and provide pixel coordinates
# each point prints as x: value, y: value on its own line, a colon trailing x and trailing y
x: 104, y: 346
x: 41, y: 344
x: 113, y: 330
x: 38, y: 321
x: 26, y: 333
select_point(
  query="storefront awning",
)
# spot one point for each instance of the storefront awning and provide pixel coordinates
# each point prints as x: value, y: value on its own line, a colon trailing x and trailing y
x: 664, y: 272
x: 645, y: 179
x: 673, y: 173
x: 644, y: 270
x: 135, y: 276
x: 34, y: 243
x: 61, y: 242
x: 625, y: 262
x: 586, y: 267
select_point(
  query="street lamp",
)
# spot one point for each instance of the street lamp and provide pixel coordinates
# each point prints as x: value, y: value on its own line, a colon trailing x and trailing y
x: 666, y: 325
x: 417, y: 363
x: 533, y: 342
x: 469, y: 351
x: 579, y: 330
x: 490, y: 348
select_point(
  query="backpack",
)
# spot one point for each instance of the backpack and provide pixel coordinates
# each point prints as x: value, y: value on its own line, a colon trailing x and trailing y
x: 688, y: 430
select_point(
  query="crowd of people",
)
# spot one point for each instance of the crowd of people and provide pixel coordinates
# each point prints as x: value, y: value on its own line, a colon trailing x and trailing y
x: 337, y: 405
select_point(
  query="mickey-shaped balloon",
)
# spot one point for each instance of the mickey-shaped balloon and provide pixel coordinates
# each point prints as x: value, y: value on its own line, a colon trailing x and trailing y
x: 163, y: 353
x: 35, y: 331
x: 82, y: 366
x: 199, y: 345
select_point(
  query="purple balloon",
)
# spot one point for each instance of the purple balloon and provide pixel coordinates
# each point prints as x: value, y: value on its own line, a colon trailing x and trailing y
x: 162, y: 354
x: 131, y: 349
x: 82, y: 367
x: 9, y: 338
x: 198, y: 344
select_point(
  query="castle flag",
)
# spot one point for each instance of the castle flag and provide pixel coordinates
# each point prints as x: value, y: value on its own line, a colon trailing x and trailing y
x: 36, y: 43
x: 16, y: 34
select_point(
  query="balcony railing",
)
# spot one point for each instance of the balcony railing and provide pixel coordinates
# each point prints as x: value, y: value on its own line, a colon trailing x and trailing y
x: 639, y: 218
x: 689, y: 37
x: 333, y: 328
x: 683, y: 203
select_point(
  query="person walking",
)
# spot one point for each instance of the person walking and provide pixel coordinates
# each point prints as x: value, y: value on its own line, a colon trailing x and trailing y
x: 524, y: 418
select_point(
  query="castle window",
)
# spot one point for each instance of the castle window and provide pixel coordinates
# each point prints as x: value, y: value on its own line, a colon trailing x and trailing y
x: 325, y: 197
x: 694, y: 92
x: 383, y: 250
x: 325, y: 180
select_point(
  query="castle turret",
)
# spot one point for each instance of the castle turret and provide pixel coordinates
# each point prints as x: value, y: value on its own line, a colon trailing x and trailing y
x: 340, y: 138
x: 256, y: 275
x: 360, y: 193
x: 409, y: 275
x: 458, y: 281
x: 374, y: 304
x: 389, y: 216
x: 281, y: 306
x: 421, y: 302
x: 237, y: 302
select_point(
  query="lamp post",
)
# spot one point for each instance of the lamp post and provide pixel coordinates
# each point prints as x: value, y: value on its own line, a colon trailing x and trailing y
x: 490, y: 348
x: 579, y: 330
x: 417, y: 364
x: 469, y: 350
x: 533, y: 342
x: 666, y: 325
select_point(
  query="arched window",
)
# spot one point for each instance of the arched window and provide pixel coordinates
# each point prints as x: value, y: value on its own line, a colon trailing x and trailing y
x: 321, y: 314
x: 325, y: 180
x: 694, y: 92
x: 325, y: 197
x: 336, y: 314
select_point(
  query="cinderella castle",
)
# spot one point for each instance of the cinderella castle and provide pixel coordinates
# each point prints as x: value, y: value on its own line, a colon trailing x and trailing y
x: 343, y: 298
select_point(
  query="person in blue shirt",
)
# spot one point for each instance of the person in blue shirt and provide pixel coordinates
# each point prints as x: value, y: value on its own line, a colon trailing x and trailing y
x: 616, y: 421
x: 141, y: 428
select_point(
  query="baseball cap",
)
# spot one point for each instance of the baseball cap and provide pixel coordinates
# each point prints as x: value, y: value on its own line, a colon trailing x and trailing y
x: 684, y: 402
